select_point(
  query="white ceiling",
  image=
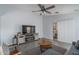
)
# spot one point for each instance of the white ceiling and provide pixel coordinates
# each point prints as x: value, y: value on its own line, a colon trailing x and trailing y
x: 61, y: 8
x: 65, y: 9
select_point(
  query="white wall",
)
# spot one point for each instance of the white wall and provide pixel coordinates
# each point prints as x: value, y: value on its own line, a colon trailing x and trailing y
x: 71, y: 19
x: 48, y: 24
x: 12, y: 21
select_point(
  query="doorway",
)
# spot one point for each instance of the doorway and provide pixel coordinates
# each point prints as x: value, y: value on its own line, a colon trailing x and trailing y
x: 55, y: 32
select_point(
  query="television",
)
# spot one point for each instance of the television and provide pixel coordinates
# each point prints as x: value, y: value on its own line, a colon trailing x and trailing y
x: 28, y: 29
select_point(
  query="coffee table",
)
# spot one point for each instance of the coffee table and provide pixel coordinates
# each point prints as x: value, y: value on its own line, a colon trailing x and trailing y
x: 44, y: 44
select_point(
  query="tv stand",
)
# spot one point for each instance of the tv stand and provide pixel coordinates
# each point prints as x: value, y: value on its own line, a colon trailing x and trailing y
x: 29, y: 37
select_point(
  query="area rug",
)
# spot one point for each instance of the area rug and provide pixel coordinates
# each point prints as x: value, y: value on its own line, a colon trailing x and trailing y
x: 55, y: 50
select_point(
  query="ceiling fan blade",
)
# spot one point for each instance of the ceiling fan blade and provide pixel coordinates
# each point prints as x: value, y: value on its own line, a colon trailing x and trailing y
x: 48, y: 12
x: 36, y: 11
x: 40, y: 5
x: 53, y: 6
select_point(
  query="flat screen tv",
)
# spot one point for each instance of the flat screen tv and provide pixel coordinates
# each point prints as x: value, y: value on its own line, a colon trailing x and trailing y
x: 28, y: 29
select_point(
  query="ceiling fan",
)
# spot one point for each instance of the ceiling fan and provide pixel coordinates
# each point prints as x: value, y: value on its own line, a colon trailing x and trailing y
x: 43, y: 9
